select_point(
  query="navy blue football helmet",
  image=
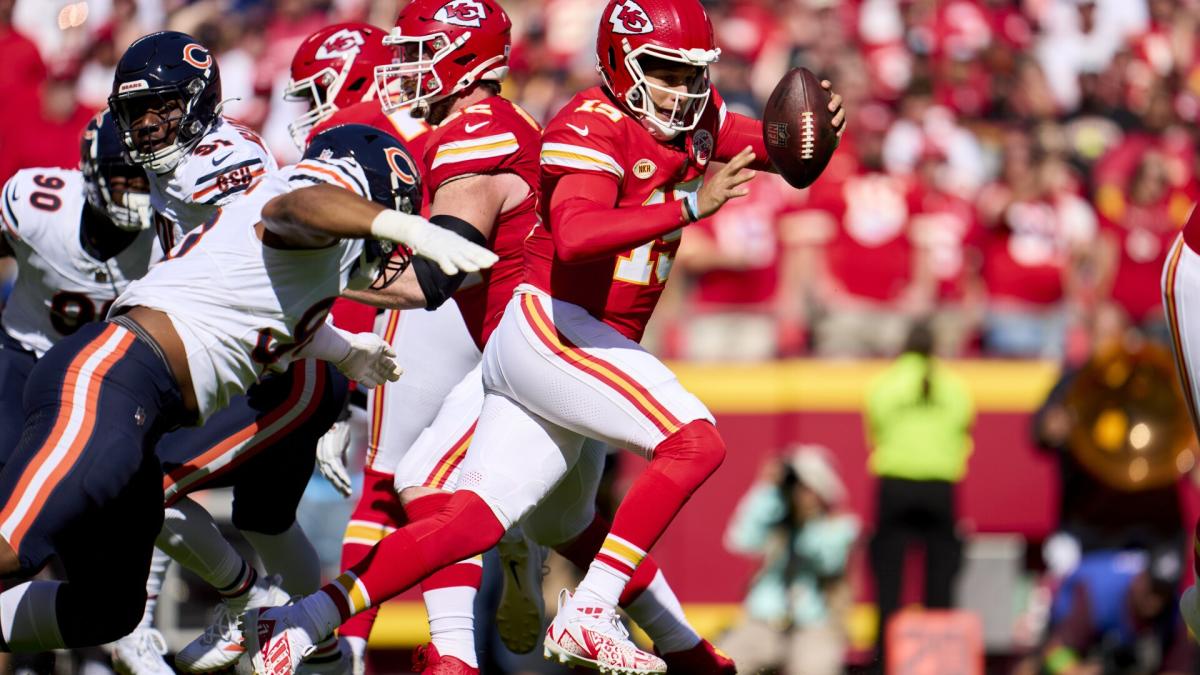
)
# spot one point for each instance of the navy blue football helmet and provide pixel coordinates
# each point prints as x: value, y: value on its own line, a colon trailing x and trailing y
x: 392, y: 176
x: 103, y: 163
x: 392, y: 181
x: 166, y: 96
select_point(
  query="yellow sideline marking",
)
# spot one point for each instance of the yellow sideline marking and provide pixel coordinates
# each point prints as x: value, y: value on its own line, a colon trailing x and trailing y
x: 841, y: 386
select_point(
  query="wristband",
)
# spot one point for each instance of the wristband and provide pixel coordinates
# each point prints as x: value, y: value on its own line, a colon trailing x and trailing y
x: 691, y: 206
x: 401, y: 228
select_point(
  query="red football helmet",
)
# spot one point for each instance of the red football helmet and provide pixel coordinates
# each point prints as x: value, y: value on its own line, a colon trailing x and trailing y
x: 334, y: 68
x: 442, y: 47
x: 671, y: 30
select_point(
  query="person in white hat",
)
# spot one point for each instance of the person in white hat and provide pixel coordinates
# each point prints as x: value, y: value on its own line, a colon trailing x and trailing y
x: 790, y: 519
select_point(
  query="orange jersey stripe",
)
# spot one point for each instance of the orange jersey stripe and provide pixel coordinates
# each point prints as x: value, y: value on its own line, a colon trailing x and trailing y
x: 602, y: 370
x: 376, y: 430
x: 451, y: 460
x: 248, y: 432
x: 82, y: 435
x: 341, y: 181
x: 1181, y: 364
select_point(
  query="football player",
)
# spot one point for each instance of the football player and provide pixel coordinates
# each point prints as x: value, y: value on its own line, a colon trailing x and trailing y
x: 79, y: 237
x: 334, y: 68
x: 166, y: 99
x: 480, y: 166
x: 243, y: 295
x: 592, y: 390
x: 622, y: 169
x: 1180, y: 281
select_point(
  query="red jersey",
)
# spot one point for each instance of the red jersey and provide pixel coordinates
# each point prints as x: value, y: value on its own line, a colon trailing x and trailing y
x: 493, y: 136
x: 592, y: 135
x: 1025, y: 256
x: 946, y: 227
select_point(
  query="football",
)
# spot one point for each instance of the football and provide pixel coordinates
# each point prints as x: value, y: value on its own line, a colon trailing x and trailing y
x: 796, y: 128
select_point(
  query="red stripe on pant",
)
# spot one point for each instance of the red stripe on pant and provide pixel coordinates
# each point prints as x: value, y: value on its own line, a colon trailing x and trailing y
x: 378, y: 504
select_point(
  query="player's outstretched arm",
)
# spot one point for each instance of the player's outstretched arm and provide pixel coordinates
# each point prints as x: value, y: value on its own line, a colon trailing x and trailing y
x: 469, y: 206
x: 315, y: 216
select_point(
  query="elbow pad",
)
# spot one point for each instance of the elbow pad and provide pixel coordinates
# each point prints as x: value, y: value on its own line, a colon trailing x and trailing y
x: 436, y: 284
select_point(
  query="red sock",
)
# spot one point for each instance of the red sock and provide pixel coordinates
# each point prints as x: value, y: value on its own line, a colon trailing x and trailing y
x: 462, y: 573
x: 583, y: 548
x: 377, y: 514
x: 680, y: 465
x: 464, y: 527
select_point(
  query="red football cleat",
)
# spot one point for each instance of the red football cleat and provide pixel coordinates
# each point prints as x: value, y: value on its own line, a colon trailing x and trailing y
x: 703, y: 659
x: 428, y: 661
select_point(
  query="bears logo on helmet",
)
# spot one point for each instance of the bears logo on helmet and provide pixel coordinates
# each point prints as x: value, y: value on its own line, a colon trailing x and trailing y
x: 628, y: 18
x: 466, y: 13
x: 401, y: 165
x: 202, y: 61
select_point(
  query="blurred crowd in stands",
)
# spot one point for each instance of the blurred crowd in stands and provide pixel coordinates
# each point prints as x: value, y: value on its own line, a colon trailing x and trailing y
x: 1010, y: 165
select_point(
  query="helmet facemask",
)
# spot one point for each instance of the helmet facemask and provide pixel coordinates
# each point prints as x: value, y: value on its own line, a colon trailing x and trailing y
x: 412, y: 79
x: 319, y: 91
x: 684, y: 108
x: 142, y: 115
x: 109, y: 190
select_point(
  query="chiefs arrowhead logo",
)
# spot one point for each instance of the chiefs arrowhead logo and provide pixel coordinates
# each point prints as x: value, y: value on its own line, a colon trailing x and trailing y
x: 341, y: 44
x: 628, y: 18
x: 466, y: 13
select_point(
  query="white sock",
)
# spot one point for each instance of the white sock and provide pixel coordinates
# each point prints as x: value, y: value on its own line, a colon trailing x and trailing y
x: 159, y: 562
x: 290, y: 555
x: 320, y: 613
x: 452, y: 621
x: 358, y: 648
x: 602, y: 585
x: 28, y: 617
x: 658, y: 612
x: 190, y: 536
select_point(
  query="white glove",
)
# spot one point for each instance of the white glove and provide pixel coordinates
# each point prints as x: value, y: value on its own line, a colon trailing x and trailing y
x: 332, y: 450
x: 451, y: 252
x: 371, y: 361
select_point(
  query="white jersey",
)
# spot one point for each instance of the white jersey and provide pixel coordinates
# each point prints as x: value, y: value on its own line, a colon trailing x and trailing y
x: 225, y: 164
x: 241, y: 307
x: 60, y: 286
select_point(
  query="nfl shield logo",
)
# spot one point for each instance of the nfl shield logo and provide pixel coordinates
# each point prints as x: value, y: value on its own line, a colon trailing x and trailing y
x: 702, y: 146
x: 777, y: 134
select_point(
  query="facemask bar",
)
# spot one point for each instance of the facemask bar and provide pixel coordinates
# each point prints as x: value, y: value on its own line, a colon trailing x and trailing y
x: 404, y: 82
x: 688, y: 106
x: 320, y: 99
x: 131, y: 213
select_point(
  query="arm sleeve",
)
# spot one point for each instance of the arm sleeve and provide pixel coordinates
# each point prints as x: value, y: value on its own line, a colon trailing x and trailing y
x: 738, y: 131
x: 586, y: 226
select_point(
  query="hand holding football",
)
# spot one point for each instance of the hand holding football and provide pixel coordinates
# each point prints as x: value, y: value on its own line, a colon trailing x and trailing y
x: 798, y: 129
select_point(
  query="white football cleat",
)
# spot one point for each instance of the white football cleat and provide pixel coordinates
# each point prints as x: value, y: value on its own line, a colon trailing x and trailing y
x: 275, y: 642
x: 592, y: 636
x: 330, y: 657
x: 141, y: 653
x: 521, y: 613
x: 221, y: 644
x: 1189, y: 609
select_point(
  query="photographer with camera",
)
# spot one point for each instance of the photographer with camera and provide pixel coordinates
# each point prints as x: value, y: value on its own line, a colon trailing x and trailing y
x: 797, y: 600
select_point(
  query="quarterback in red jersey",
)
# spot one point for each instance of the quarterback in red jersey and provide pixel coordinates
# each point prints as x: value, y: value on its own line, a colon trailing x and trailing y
x: 621, y: 175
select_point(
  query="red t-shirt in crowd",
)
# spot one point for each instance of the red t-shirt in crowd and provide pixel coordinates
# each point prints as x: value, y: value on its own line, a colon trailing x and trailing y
x: 1025, y: 255
x: 947, y: 226
x: 41, y: 142
x: 870, y: 252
